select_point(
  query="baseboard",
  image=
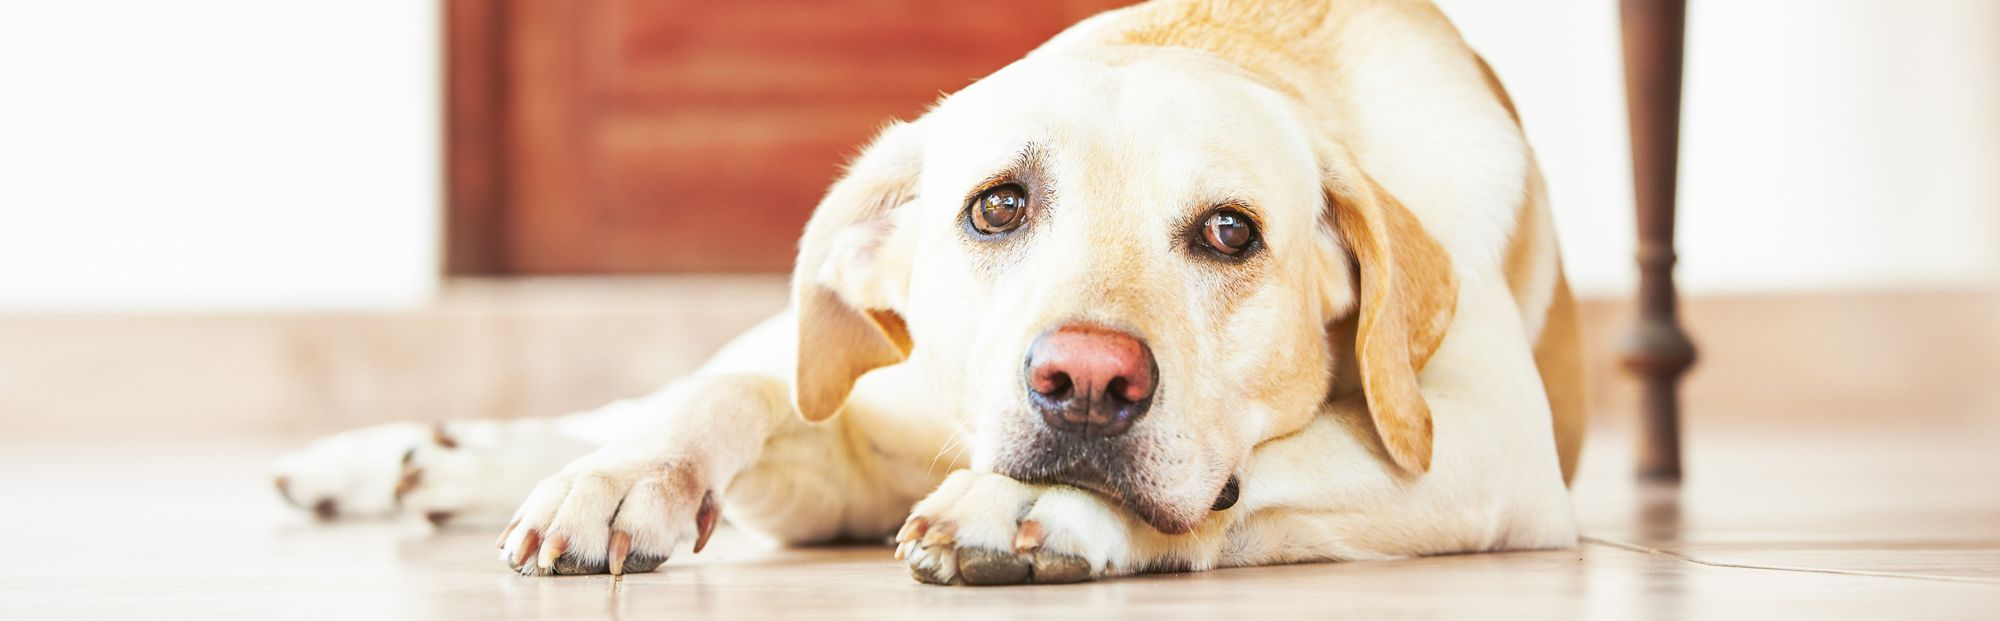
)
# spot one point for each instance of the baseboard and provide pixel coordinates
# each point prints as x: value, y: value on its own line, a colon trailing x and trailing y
x: 486, y: 347
x: 534, y: 347
x: 1817, y: 355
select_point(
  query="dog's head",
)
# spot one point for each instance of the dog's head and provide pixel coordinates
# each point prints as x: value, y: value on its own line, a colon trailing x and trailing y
x: 1123, y: 271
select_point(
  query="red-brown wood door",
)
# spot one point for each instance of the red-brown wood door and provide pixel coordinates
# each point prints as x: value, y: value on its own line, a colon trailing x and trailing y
x: 617, y: 136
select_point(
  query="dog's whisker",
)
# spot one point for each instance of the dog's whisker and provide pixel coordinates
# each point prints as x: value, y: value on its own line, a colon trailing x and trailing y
x: 954, y: 443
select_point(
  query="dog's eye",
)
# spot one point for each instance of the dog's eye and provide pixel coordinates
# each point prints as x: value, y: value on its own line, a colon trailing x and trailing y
x: 999, y: 210
x: 1229, y: 232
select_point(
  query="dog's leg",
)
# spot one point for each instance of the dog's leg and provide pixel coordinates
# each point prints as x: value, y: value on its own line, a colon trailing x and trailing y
x: 475, y: 471
x: 626, y: 506
x: 725, y: 438
x: 463, y: 472
x: 466, y: 472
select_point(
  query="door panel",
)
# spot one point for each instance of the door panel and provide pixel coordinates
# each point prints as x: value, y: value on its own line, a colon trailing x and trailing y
x: 618, y: 136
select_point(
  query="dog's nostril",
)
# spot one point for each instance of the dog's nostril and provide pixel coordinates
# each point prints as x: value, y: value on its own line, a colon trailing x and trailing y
x: 1055, y: 385
x: 1115, y: 390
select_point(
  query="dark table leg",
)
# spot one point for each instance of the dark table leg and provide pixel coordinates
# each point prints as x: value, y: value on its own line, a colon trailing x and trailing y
x: 1657, y: 350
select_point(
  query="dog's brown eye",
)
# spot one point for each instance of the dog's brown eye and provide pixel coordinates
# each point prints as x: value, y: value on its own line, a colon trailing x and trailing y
x: 999, y: 210
x: 1229, y: 232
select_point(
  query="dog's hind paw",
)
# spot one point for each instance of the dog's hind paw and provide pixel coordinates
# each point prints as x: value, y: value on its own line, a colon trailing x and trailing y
x: 355, y: 474
x: 462, y: 472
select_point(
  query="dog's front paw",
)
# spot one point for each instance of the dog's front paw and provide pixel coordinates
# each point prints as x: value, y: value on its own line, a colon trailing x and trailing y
x: 981, y: 528
x: 605, y: 514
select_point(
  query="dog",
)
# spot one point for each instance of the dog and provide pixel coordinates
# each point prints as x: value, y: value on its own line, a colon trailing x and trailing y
x: 1195, y: 284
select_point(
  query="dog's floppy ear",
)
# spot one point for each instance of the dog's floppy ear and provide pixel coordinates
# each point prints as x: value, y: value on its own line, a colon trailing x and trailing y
x: 1407, y: 297
x: 852, y: 273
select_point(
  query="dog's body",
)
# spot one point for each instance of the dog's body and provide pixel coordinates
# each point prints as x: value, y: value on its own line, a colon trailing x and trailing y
x: 1213, y: 204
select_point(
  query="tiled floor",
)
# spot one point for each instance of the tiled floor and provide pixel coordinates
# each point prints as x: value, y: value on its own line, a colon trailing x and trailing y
x: 186, y: 527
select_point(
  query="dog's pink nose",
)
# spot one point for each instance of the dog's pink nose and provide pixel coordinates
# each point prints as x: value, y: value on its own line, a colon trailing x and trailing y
x: 1090, y: 380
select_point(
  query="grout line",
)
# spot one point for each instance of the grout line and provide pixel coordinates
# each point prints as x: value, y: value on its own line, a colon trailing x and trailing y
x: 1633, y: 547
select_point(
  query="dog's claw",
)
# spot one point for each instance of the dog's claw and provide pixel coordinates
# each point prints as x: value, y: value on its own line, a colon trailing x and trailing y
x: 550, y: 551
x: 621, y: 544
x: 412, y: 477
x: 530, y: 542
x: 1029, y: 537
x: 704, y: 521
x: 912, y: 529
x: 509, y: 530
x: 940, y: 534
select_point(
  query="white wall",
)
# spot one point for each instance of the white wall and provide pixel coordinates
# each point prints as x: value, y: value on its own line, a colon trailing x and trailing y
x: 218, y: 154
x: 247, y: 154
x: 1828, y: 144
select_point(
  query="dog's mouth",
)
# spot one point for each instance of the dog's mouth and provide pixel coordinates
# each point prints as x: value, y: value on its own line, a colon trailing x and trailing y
x: 1088, y: 478
x: 1128, y: 489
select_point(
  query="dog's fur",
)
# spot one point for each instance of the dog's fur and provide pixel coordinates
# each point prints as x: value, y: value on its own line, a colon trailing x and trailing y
x: 1394, y: 372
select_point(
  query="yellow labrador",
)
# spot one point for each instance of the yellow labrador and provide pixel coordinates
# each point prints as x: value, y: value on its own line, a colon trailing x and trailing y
x: 1197, y: 284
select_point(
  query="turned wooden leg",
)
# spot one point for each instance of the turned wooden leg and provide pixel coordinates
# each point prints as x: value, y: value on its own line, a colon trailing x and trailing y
x: 1657, y: 350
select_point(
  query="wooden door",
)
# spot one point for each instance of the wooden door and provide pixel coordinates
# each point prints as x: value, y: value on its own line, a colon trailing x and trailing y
x: 618, y: 136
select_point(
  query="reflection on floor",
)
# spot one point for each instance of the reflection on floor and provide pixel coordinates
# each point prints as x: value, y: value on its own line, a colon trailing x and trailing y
x: 1871, y: 518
